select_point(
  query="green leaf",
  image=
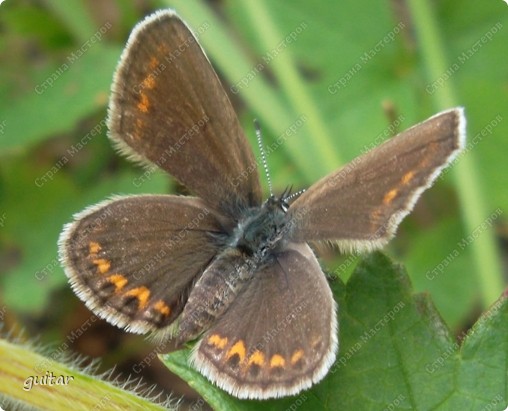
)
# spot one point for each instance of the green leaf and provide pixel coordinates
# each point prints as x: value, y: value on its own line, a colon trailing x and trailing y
x: 74, y: 14
x: 439, y: 265
x: 60, y: 96
x: 395, y: 351
x: 481, y: 366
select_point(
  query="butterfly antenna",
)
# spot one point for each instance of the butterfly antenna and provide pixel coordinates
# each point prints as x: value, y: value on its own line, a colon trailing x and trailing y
x: 297, y: 194
x: 263, y: 154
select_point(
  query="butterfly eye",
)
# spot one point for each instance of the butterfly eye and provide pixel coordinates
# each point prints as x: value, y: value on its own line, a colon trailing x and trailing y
x: 284, y: 205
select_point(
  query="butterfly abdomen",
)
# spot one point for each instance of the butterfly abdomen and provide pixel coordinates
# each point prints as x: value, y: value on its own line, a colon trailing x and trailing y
x: 214, y: 292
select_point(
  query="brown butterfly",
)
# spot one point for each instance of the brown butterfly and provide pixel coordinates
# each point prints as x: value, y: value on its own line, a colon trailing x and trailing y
x: 225, y: 268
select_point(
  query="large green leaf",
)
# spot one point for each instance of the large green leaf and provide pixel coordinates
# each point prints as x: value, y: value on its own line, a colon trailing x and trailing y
x: 395, y: 351
x: 62, y: 94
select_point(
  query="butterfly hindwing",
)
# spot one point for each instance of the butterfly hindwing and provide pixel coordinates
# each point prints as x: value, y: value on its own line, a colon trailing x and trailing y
x: 285, y: 331
x: 133, y: 259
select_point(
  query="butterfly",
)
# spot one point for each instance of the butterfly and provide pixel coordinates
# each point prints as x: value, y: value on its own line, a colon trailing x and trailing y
x: 223, y: 267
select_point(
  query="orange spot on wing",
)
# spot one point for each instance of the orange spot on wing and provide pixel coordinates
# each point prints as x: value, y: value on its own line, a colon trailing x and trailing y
x: 118, y: 280
x: 94, y: 247
x: 149, y: 82
x: 217, y: 341
x: 407, y: 177
x: 141, y: 293
x: 144, y: 103
x: 297, y: 355
x: 162, y: 308
x: 257, y: 358
x: 102, y: 264
x: 389, y: 196
x: 277, y: 361
x: 239, y: 349
x: 154, y: 62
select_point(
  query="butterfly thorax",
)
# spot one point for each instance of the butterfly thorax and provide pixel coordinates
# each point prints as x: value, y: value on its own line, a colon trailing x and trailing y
x: 254, y: 241
x: 263, y: 229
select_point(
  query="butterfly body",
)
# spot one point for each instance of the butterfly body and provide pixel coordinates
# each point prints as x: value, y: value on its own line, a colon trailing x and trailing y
x: 252, y: 245
x: 218, y: 286
x: 263, y: 230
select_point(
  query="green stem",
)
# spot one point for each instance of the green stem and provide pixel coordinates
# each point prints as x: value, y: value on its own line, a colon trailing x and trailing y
x: 293, y: 85
x: 74, y: 14
x: 484, y: 250
x: 19, y: 365
x: 232, y: 61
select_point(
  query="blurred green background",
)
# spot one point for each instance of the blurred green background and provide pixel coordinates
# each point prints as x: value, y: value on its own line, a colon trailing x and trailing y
x: 332, y: 78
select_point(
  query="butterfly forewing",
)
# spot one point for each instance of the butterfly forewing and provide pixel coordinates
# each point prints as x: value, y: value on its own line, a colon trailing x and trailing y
x: 361, y: 205
x: 285, y: 335
x: 133, y: 259
x: 169, y: 107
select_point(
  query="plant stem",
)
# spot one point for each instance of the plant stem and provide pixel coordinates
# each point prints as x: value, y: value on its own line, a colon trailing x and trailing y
x: 474, y: 210
x: 236, y: 66
x: 284, y: 68
x: 20, y: 365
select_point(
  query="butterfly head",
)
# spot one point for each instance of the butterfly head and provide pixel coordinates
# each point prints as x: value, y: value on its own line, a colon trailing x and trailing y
x: 264, y: 228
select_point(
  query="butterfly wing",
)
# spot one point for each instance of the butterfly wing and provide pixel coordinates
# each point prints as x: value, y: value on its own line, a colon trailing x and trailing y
x: 361, y: 205
x: 169, y: 108
x: 279, y: 336
x: 133, y: 259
